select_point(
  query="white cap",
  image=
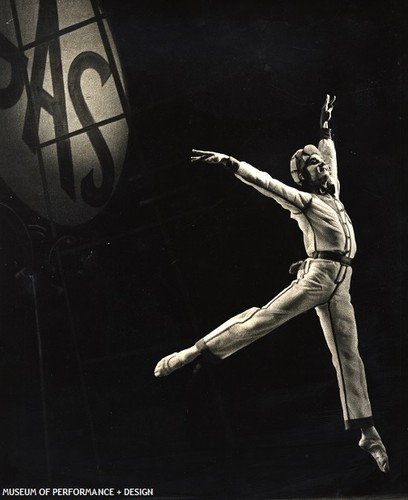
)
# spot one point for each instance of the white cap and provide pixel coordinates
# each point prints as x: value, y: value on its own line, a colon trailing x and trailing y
x: 298, y: 160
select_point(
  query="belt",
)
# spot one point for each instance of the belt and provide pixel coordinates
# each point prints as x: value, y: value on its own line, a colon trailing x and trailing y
x: 337, y: 257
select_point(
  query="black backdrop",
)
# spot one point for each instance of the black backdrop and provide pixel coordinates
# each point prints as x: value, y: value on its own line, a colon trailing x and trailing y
x: 179, y: 249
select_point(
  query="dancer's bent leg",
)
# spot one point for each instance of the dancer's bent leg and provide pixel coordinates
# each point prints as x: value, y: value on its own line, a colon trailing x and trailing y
x: 248, y: 326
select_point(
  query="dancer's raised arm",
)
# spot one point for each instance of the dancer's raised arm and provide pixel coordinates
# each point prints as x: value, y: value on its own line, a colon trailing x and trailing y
x: 326, y: 144
x: 288, y: 197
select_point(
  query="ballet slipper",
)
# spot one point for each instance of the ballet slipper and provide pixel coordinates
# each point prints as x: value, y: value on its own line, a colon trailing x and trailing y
x: 168, y: 365
x: 377, y: 450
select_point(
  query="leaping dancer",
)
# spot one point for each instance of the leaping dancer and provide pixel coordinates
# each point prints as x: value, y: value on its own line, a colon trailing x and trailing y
x: 322, y: 279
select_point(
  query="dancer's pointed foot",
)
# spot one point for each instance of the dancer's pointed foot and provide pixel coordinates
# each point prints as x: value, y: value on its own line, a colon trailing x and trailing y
x: 167, y: 365
x: 376, y: 448
x: 175, y: 361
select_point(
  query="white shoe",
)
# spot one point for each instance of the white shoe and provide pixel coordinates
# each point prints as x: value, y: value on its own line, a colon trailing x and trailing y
x: 164, y: 367
x: 376, y: 448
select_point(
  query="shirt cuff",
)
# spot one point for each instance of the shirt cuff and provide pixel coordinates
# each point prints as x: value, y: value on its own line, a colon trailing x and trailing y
x: 230, y: 164
x: 325, y: 133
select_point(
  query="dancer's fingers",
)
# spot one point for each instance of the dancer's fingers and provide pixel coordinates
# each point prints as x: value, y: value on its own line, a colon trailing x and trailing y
x: 201, y: 152
x: 207, y: 157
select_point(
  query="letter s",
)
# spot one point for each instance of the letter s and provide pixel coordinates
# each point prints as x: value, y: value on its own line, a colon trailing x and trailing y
x: 93, y: 195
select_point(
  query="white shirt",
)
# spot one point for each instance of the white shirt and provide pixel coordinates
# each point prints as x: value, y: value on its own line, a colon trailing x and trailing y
x: 321, y: 217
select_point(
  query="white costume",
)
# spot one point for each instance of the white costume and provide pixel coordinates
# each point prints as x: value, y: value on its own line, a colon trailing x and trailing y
x: 323, y: 283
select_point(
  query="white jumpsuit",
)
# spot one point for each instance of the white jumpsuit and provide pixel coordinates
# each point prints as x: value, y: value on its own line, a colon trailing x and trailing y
x: 321, y: 284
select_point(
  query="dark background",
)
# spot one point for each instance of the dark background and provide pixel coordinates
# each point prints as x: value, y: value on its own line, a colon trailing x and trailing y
x: 179, y: 249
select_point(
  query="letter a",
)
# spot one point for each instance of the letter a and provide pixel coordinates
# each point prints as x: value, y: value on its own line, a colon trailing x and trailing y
x: 54, y: 105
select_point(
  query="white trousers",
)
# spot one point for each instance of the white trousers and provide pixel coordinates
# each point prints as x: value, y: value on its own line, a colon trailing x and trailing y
x: 323, y: 285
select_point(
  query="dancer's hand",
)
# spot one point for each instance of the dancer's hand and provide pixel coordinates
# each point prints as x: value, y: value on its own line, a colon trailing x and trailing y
x: 208, y: 156
x: 214, y: 158
x: 326, y: 112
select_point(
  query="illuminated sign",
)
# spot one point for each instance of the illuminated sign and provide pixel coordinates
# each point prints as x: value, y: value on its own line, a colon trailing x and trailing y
x: 64, y: 132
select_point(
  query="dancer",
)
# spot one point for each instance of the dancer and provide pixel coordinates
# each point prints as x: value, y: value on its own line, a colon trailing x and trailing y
x: 322, y: 279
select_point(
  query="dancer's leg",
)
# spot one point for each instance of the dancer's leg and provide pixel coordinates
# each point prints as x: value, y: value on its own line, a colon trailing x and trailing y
x: 248, y: 326
x: 339, y: 327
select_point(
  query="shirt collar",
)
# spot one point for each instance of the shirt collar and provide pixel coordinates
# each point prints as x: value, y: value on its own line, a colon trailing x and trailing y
x: 330, y: 189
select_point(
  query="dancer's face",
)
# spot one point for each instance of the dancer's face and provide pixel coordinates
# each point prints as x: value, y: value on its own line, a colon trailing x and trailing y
x: 318, y: 171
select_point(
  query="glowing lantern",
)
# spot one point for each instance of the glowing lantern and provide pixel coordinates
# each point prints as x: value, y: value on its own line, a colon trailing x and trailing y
x: 63, y: 131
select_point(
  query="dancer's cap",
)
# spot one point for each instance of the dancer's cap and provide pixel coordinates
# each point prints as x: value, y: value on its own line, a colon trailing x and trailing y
x: 299, y: 159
